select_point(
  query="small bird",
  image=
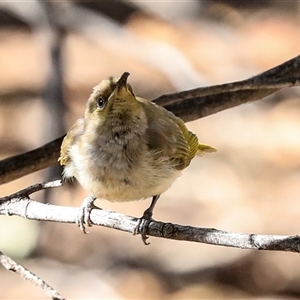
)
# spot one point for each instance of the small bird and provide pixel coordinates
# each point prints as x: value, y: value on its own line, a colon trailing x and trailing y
x: 126, y: 148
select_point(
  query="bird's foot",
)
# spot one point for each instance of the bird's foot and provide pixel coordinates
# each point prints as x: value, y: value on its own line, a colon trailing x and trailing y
x: 84, y: 213
x: 143, y: 224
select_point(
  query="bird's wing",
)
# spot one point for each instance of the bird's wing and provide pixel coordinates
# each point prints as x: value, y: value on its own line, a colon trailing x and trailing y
x: 73, y: 134
x: 192, y: 139
x: 168, y: 136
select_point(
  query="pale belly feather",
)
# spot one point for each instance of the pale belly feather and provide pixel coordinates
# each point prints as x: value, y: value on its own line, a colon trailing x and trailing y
x: 115, y: 179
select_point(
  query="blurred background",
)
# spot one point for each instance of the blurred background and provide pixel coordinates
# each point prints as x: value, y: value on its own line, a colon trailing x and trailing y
x: 53, y: 53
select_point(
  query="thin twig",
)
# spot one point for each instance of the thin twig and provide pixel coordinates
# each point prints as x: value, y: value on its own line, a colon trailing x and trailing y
x: 32, y: 189
x: 13, y: 266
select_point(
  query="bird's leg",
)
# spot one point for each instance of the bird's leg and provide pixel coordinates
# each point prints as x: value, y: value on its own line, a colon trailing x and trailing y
x: 145, y: 220
x: 84, y: 213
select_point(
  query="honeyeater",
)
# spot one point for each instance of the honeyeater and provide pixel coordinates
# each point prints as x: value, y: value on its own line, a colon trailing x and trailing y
x: 126, y: 148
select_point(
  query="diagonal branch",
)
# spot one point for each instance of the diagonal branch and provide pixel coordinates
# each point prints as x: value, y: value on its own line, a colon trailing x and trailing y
x: 189, y: 105
x: 13, y: 266
x: 30, y: 209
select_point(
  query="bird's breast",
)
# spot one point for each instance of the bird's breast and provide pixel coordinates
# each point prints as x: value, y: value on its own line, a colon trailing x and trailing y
x: 121, y: 168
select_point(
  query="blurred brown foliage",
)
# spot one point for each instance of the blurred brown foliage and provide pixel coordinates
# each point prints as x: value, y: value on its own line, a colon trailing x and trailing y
x: 251, y: 185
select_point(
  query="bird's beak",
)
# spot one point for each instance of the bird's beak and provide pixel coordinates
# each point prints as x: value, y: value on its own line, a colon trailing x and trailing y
x: 123, y: 80
x: 122, y: 84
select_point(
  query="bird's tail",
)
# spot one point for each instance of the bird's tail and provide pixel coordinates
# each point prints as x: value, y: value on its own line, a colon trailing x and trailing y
x: 202, y: 149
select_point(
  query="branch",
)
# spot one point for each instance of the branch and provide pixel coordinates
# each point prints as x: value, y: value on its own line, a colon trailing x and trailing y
x: 201, y: 102
x: 13, y: 266
x: 22, y: 206
x: 189, y: 105
x: 20, y: 165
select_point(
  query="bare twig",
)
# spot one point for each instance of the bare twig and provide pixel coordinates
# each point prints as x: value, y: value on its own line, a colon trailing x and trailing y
x: 189, y: 105
x: 30, y: 209
x: 32, y: 189
x: 13, y: 266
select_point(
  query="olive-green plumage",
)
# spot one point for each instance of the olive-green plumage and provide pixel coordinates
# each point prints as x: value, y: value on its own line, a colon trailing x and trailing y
x: 127, y: 148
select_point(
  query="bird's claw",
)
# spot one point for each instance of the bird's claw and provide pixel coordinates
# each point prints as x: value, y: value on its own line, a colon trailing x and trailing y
x: 143, y: 225
x: 84, y: 213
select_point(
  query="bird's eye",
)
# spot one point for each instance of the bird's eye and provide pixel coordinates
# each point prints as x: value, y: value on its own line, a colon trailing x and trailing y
x: 100, y: 102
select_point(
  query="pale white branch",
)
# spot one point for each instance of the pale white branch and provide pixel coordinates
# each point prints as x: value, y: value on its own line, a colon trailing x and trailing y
x: 30, y: 209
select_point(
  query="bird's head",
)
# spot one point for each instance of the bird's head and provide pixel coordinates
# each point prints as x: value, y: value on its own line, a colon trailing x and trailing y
x: 112, y: 100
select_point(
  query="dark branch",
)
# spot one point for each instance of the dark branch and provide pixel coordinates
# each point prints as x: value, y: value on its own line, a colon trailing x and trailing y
x: 20, y: 165
x: 201, y: 102
x: 189, y: 105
